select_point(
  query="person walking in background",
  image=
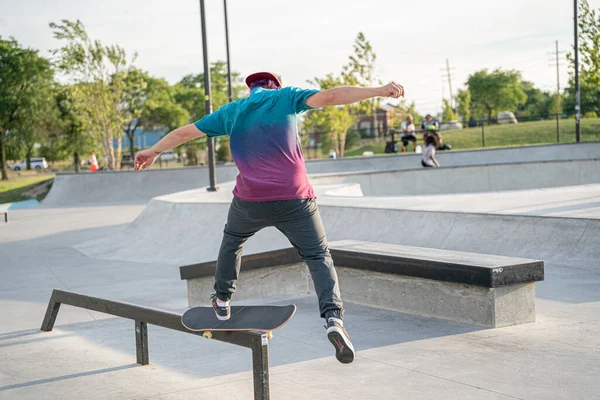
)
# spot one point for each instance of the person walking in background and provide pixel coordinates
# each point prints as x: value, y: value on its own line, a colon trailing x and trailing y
x: 272, y: 188
x: 408, y: 133
x: 431, y: 143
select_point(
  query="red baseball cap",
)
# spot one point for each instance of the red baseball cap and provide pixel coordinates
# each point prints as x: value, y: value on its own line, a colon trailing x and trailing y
x: 262, y: 75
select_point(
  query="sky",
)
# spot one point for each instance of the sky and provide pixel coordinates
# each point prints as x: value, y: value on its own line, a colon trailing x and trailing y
x: 311, y: 38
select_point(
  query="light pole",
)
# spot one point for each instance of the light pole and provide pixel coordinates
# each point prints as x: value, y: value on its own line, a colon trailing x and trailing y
x: 577, y: 96
x: 229, y: 90
x: 212, y: 176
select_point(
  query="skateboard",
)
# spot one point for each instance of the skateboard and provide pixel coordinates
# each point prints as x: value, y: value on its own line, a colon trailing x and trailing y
x: 243, y: 318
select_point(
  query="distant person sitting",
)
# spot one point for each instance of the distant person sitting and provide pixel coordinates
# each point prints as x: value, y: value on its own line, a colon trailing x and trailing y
x: 408, y: 133
x: 431, y: 131
x: 429, y: 122
x: 431, y: 143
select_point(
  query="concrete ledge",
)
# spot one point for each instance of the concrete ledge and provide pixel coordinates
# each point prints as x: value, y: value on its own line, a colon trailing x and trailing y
x: 442, y: 265
x: 469, y: 304
x: 485, y: 270
x: 478, y: 289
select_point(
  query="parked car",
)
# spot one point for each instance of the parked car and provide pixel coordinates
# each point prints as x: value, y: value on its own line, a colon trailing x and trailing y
x: 507, y: 117
x: 127, y: 161
x: 37, y: 163
x: 450, y: 125
x: 168, y: 156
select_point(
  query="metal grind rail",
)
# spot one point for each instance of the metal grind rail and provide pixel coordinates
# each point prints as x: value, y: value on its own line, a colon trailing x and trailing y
x: 142, y: 316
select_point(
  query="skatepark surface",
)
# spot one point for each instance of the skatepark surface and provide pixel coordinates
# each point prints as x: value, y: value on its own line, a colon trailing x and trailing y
x: 512, y: 168
x: 131, y: 252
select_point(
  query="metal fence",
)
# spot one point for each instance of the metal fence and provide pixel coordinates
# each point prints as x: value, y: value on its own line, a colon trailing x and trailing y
x: 506, y: 131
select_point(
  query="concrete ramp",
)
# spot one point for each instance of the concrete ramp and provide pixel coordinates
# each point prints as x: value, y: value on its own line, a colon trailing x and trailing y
x: 175, y: 230
x: 469, y: 179
x: 130, y: 187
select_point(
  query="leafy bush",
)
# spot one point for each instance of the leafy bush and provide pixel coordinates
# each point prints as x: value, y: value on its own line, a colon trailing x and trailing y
x: 352, y: 140
x: 224, y: 152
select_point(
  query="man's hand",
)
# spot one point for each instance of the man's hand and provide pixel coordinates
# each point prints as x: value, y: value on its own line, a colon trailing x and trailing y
x: 144, y: 159
x: 392, y: 90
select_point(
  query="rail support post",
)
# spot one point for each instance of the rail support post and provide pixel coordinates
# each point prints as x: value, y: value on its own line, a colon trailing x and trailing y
x: 51, y: 313
x: 260, y: 366
x: 141, y: 342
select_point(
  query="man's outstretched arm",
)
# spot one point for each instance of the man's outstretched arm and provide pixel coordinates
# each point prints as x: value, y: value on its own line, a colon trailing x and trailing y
x: 146, y: 158
x: 351, y: 94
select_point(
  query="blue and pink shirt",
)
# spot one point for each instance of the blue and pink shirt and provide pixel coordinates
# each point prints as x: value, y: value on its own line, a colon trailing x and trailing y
x: 265, y: 145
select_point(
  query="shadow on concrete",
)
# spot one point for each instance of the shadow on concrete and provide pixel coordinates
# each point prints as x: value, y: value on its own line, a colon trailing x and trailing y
x: 302, y: 339
x: 64, y: 377
x: 34, y: 339
x: 12, y: 335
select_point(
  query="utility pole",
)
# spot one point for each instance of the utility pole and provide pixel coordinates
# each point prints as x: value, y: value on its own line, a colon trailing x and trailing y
x: 229, y: 90
x: 212, y: 176
x: 556, y: 55
x: 449, y: 83
x: 577, y: 94
x: 447, y: 74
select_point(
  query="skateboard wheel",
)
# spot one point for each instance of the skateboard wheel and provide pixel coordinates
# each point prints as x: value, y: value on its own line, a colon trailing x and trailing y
x: 270, y: 335
x: 207, y: 335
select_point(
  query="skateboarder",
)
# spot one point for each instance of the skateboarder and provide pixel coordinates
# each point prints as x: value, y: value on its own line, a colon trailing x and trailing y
x: 272, y: 188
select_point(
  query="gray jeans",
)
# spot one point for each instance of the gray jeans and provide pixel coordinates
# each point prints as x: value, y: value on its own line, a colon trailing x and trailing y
x: 300, y: 222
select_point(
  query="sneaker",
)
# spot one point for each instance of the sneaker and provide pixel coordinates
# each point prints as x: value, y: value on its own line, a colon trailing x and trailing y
x: 222, y: 308
x: 337, y: 335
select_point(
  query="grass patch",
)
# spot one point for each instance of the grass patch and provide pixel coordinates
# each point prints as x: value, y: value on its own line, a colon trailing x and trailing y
x: 25, y: 188
x: 522, y: 134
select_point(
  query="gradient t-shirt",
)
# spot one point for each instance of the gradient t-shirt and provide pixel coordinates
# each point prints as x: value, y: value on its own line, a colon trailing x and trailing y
x: 265, y: 145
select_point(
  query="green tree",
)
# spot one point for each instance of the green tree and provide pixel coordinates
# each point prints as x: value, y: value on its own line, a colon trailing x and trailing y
x: 189, y: 94
x: 360, y: 70
x: 25, y: 80
x: 463, y: 98
x: 448, y: 113
x: 496, y: 91
x: 556, y: 107
x: 190, y: 90
x: 99, y: 72
x: 332, y: 123
x: 589, y: 61
x: 537, y: 104
x: 149, y: 103
x: 75, y: 139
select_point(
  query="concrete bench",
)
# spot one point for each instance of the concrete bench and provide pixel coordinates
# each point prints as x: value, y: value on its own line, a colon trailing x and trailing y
x: 478, y: 289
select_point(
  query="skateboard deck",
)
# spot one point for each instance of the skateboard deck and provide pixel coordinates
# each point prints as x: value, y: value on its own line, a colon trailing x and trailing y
x: 243, y: 318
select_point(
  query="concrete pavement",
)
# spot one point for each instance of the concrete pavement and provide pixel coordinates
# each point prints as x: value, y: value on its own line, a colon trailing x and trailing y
x: 131, y: 253
x: 90, y: 355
